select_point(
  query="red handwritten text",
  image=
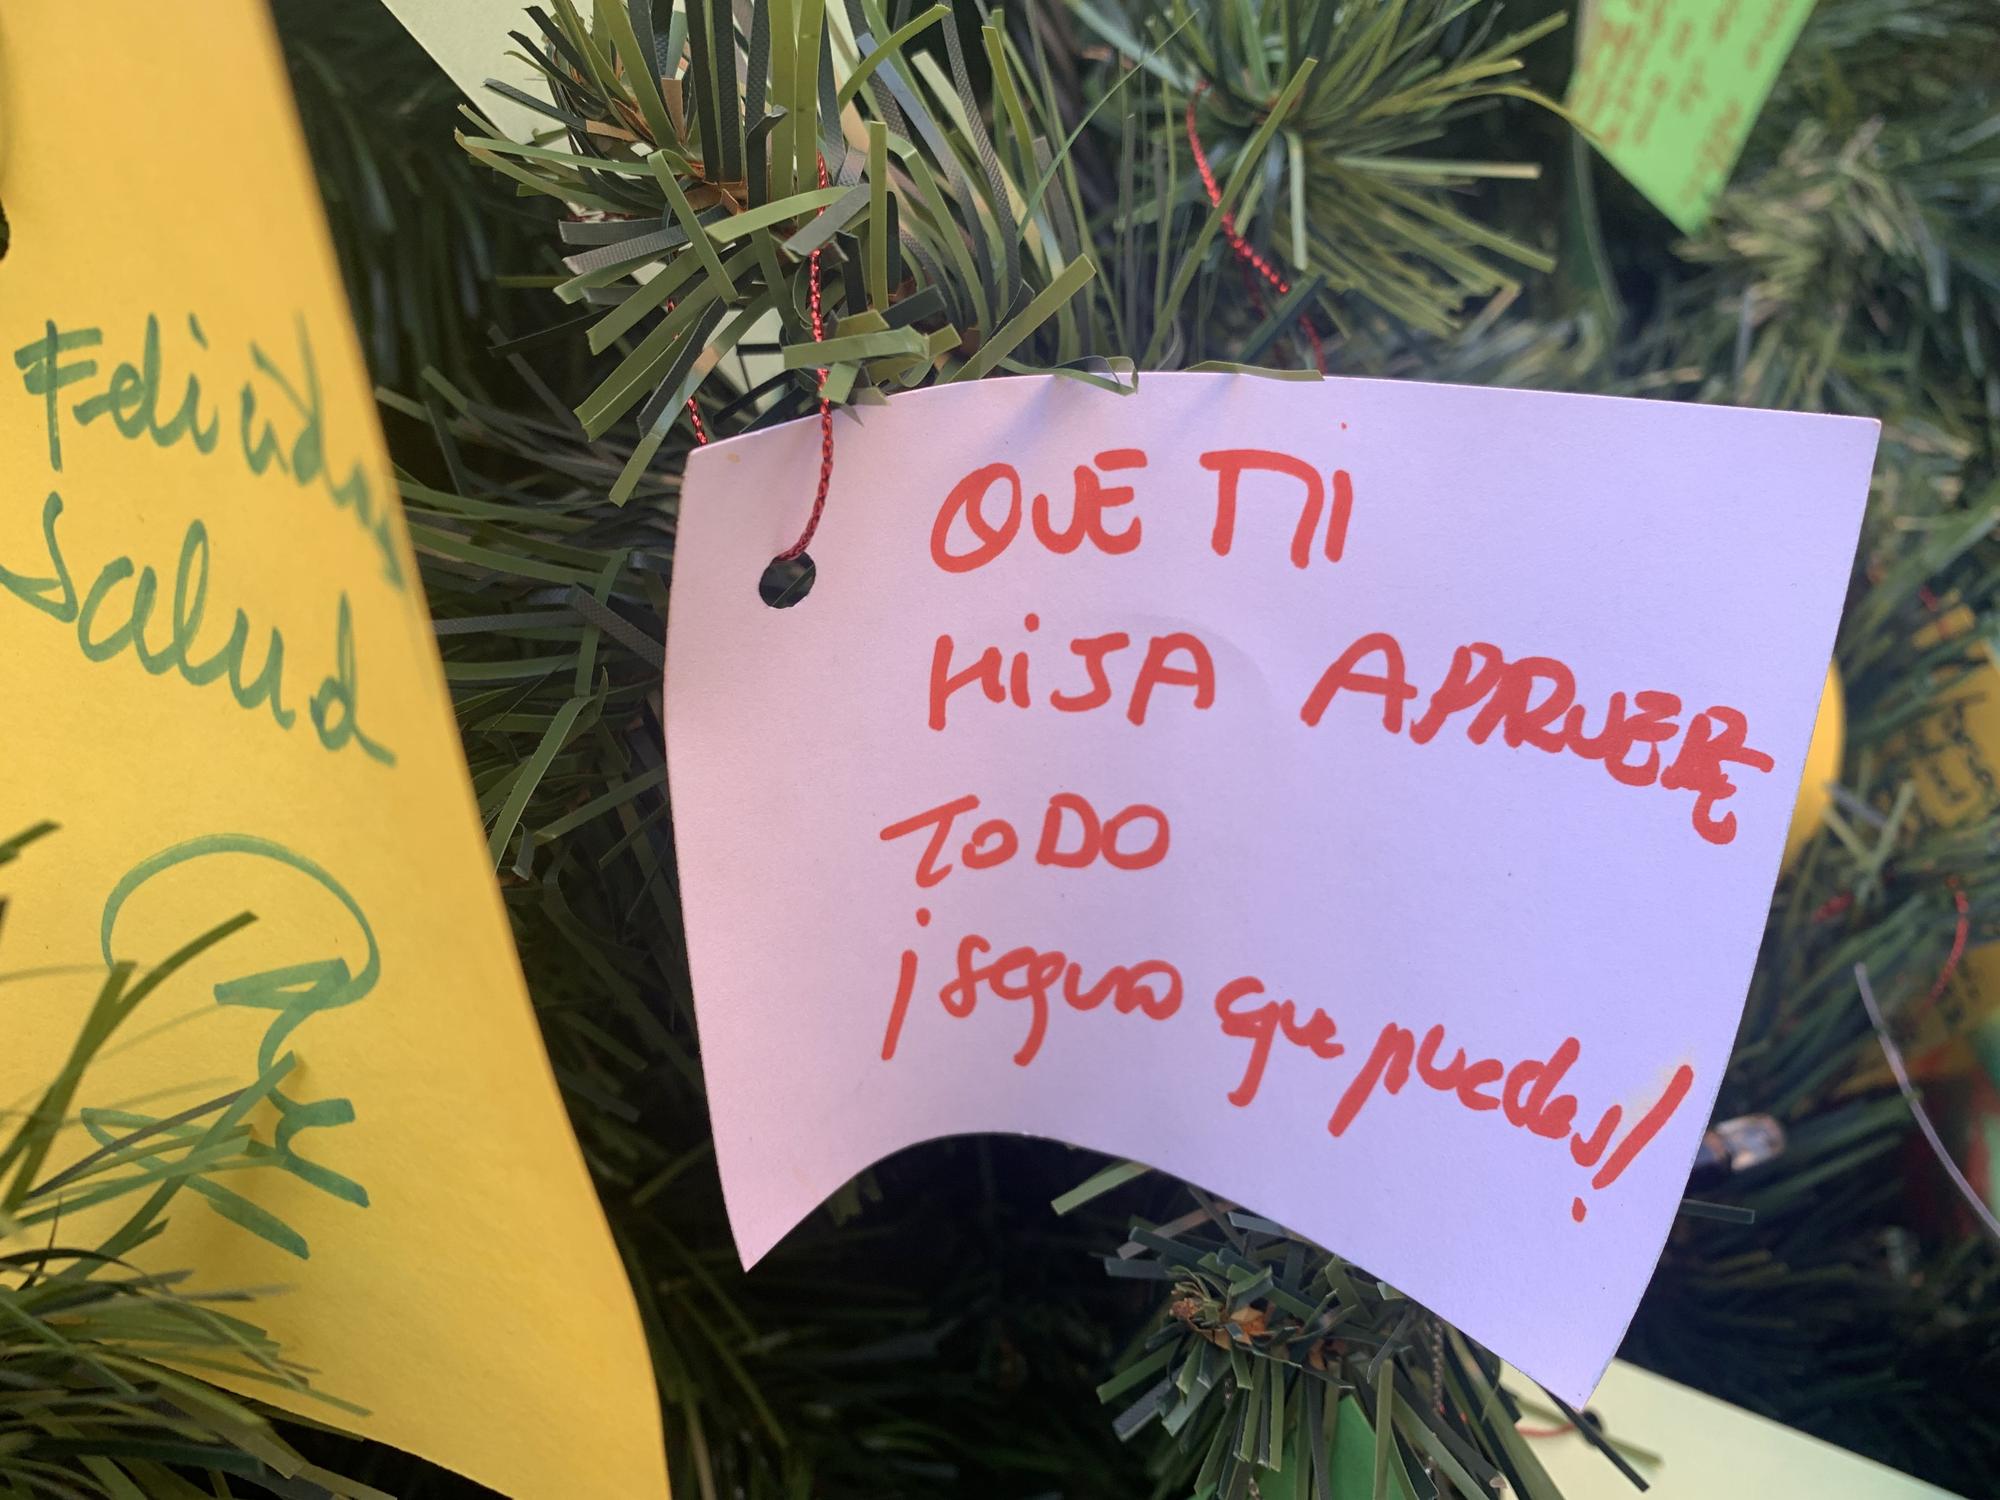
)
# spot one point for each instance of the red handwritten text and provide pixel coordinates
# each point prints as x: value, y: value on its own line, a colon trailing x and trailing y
x: 1527, y: 1097
x: 1231, y: 464
x: 965, y: 508
x: 1073, y: 837
x: 1262, y: 1025
x: 1532, y: 701
x: 972, y: 528
x: 1039, y: 977
x: 1176, y: 659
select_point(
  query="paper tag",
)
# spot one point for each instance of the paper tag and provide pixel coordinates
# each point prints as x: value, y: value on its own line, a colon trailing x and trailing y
x: 220, y: 679
x: 1669, y: 89
x: 1359, y: 798
x: 1954, y: 751
x: 469, y: 40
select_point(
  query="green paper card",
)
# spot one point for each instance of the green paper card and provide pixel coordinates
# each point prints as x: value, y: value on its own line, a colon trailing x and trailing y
x: 1668, y: 90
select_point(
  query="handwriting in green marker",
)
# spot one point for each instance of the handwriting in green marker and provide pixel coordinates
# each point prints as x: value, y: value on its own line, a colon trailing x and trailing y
x: 135, y: 397
x: 111, y: 621
x: 46, y: 373
x: 296, y: 993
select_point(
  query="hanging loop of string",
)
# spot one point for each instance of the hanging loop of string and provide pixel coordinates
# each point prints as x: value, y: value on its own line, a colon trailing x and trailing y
x: 797, y: 549
x: 1245, y: 251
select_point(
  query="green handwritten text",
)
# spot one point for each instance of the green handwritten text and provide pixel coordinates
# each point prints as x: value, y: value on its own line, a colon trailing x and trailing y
x: 295, y: 993
x: 113, y: 615
x: 280, y: 413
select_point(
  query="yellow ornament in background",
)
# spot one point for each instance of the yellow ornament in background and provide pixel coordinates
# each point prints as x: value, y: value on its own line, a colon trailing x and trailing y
x: 1829, y: 739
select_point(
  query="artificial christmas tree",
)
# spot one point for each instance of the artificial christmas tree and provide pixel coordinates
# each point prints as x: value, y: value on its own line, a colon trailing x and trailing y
x: 1102, y: 189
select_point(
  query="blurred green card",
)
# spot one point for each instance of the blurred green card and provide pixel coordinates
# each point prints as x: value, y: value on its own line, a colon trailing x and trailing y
x: 1668, y: 89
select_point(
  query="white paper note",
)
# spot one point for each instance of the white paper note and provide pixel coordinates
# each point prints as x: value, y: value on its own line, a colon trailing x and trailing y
x: 1359, y: 798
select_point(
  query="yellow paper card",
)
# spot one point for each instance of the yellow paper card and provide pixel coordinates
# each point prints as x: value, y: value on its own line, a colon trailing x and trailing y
x: 219, y: 677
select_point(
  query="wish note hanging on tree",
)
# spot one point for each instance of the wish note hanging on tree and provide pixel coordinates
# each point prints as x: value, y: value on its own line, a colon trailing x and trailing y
x: 1668, y: 90
x: 1359, y: 798
x: 220, y: 680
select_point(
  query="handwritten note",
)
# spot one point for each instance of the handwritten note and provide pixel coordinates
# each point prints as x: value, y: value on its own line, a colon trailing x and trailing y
x: 1669, y: 89
x: 1360, y: 798
x: 220, y: 680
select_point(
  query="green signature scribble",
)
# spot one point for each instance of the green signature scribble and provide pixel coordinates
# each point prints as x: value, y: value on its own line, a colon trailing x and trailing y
x: 294, y: 993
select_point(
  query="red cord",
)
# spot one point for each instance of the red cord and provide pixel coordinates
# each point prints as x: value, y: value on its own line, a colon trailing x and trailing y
x: 694, y: 412
x: 1961, y: 935
x: 1958, y: 939
x: 1543, y: 1432
x: 1243, y: 248
x: 825, y: 408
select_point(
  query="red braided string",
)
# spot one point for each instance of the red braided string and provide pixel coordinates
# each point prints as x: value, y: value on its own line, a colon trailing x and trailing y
x: 694, y: 412
x: 1246, y: 251
x: 1958, y: 940
x: 825, y: 408
x: 1961, y: 933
